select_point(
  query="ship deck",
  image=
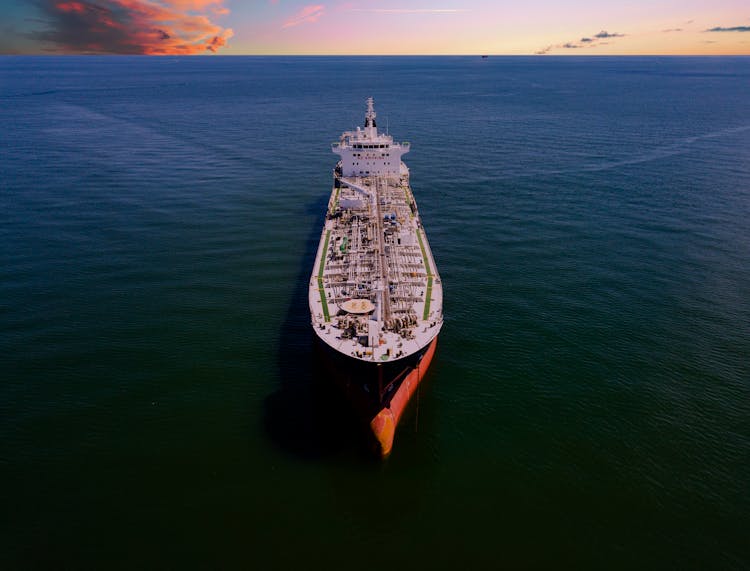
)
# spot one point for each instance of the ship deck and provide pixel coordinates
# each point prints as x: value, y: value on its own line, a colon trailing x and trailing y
x: 375, y: 293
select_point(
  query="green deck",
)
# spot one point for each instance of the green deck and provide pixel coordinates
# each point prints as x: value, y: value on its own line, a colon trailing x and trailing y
x: 428, y: 293
x: 427, y: 299
x: 321, y: 289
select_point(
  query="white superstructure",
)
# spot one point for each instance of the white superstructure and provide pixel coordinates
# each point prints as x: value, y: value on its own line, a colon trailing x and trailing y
x: 375, y: 293
x: 365, y: 152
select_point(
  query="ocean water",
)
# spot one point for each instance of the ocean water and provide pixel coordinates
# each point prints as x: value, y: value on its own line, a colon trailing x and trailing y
x: 589, y: 404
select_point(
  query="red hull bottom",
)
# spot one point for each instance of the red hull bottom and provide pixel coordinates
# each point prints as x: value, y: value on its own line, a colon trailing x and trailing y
x: 384, y: 424
x: 379, y: 394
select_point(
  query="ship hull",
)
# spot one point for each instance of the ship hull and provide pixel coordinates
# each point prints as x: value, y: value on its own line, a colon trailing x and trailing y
x: 379, y: 392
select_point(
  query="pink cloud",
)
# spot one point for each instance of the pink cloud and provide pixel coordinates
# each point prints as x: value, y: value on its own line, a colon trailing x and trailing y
x: 71, y: 6
x: 133, y: 26
x: 196, y: 5
x: 307, y: 15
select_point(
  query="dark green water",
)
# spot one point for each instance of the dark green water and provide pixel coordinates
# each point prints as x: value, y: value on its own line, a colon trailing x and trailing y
x: 589, y: 403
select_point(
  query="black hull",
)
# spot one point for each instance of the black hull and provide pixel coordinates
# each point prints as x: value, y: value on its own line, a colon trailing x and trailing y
x: 370, y: 386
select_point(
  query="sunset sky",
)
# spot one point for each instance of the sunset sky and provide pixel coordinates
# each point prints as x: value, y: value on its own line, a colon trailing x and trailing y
x: 576, y: 27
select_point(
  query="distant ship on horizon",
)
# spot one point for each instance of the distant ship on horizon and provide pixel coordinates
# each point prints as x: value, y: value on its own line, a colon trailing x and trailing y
x: 375, y: 295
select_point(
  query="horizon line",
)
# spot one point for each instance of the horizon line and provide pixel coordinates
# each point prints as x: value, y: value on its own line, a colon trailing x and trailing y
x: 478, y: 54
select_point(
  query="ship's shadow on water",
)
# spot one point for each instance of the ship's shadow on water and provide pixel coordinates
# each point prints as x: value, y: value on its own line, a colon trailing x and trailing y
x: 307, y: 415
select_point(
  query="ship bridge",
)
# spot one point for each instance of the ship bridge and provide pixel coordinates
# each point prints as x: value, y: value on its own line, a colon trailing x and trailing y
x: 366, y: 152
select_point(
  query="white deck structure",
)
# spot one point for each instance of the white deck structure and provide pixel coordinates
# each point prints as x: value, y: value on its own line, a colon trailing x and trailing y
x: 375, y: 293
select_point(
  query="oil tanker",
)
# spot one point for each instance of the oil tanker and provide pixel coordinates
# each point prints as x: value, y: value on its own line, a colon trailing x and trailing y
x: 376, y: 298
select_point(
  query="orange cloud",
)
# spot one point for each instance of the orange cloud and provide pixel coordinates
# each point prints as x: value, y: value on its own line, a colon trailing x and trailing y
x: 191, y: 4
x: 308, y: 14
x: 134, y: 26
x: 71, y: 6
x: 219, y: 41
